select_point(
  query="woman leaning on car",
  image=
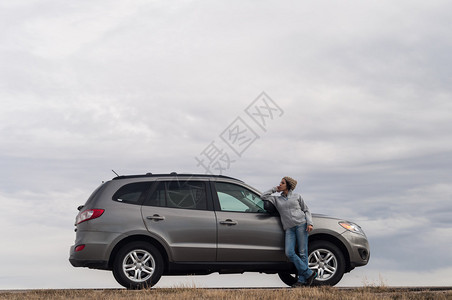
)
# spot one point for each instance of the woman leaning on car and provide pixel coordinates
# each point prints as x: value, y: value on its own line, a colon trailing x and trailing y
x: 297, y: 223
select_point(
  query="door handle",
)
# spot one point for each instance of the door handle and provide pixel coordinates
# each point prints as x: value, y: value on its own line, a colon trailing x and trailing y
x: 228, y: 222
x: 155, y: 218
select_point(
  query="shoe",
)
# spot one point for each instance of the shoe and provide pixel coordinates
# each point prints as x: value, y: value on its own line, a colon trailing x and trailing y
x: 311, y: 278
x: 298, y: 284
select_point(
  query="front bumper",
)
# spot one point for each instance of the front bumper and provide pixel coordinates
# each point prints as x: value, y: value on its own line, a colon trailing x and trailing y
x: 359, y: 249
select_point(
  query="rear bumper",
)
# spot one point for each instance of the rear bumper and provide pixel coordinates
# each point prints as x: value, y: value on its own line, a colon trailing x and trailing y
x: 79, y: 259
x: 97, y: 250
x: 92, y: 264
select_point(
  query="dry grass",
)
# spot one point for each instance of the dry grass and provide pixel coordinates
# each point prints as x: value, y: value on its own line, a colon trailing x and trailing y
x: 324, y: 293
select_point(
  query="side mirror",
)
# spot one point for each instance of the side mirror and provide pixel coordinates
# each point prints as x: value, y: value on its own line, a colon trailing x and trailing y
x: 80, y: 207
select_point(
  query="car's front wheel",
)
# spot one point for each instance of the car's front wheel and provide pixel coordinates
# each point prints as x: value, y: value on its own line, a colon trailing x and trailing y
x: 324, y: 258
x: 288, y: 278
x: 327, y: 259
x: 138, y: 265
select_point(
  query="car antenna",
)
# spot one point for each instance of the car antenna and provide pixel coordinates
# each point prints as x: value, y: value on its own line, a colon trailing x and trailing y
x: 115, y: 173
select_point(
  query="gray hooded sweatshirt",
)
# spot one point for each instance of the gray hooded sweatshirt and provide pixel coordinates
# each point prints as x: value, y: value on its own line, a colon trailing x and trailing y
x: 292, y: 209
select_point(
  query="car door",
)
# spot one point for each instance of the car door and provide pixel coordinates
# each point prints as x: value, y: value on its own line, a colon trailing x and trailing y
x: 178, y: 212
x: 246, y: 232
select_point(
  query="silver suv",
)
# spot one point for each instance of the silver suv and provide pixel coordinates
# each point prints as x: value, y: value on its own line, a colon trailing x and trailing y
x: 144, y: 226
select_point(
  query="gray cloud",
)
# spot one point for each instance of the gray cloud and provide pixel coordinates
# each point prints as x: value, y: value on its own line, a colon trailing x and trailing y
x: 365, y: 89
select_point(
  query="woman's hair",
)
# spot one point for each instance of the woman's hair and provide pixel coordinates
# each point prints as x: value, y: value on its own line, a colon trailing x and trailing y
x: 289, y: 186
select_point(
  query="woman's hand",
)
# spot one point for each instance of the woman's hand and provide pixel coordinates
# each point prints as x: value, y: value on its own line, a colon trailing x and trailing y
x: 309, y: 228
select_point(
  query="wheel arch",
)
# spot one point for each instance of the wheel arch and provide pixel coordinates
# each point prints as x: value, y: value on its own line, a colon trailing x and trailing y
x: 338, y: 243
x: 139, y: 238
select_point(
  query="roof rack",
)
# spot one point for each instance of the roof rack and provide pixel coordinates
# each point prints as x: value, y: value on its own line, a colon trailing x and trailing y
x: 172, y: 174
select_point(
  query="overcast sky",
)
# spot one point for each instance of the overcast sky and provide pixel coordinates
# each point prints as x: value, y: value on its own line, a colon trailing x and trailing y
x: 362, y: 117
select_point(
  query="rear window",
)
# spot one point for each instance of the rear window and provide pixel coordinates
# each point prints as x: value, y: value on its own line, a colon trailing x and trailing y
x: 133, y: 193
x: 94, y: 194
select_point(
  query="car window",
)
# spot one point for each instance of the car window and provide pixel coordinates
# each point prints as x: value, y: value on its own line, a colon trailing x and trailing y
x: 96, y: 192
x: 236, y: 198
x: 158, y: 197
x: 179, y: 194
x: 132, y: 193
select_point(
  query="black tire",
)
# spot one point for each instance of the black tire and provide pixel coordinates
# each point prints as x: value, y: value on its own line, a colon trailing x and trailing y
x: 328, y: 260
x: 288, y: 278
x: 138, y: 265
x: 325, y: 258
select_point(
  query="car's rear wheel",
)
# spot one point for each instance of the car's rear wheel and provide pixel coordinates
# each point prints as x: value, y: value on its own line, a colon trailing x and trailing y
x: 138, y: 265
x: 326, y: 259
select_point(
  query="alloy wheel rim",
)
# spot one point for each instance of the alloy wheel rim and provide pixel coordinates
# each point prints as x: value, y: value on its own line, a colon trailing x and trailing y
x: 138, y: 265
x: 324, y: 262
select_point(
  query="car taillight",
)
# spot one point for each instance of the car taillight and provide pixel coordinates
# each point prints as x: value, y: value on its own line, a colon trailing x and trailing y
x: 79, y: 248
x: 89, y: 214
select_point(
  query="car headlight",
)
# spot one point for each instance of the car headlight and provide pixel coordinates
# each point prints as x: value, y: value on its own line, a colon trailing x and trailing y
x: 351, y: 227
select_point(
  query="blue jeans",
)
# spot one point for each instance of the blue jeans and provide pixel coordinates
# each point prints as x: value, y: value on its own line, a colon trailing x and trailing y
x: 298, y: 236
